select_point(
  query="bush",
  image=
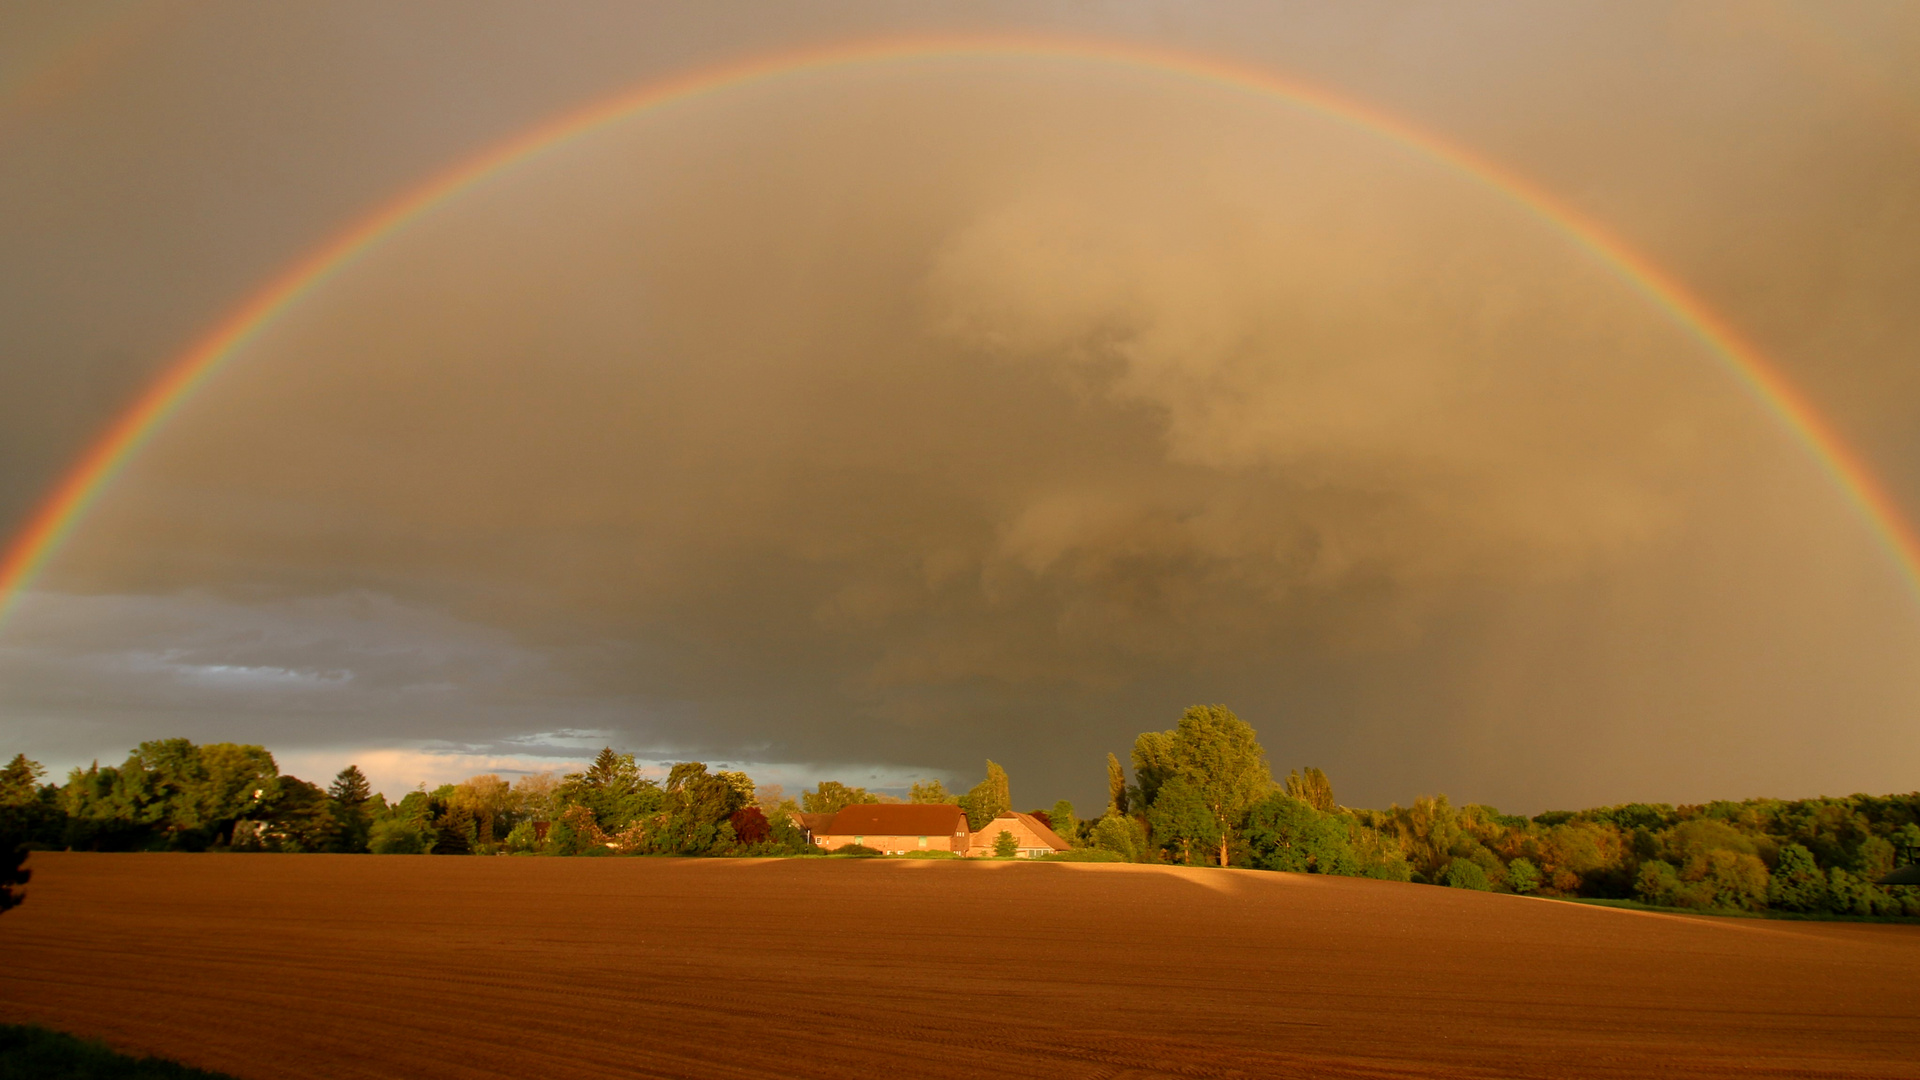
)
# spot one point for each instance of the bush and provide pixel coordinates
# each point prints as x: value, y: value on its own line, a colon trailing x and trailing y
x: 861, y: 851
x: 931, y: 855
x: 35, y: 1053
x: 1085, y: 855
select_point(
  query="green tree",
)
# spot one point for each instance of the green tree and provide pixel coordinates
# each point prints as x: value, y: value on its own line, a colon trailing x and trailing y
x: 611, y: 771
x: 1120, y: 835
x: 488, y: 799
x: 353, y: 820
x: 1181, y: 820
x: 832, y: 796
x: 1153, y: 763
x: 1285, y: 833
x: 989, y: 798
x: 1064, y: 823
x: 1220, y: 759
x: 1798, y: 884
x: 454, y: 831
x: 206, y: 789
x: 22, y: 805
x: 1466, y: 874
x: 398, y: 835
x: 1738, y: 880
x: 1658, y: 883
x: 1848, y: 894
x: 931, y: 791
x: 1005, y: 845
x: 20, y: 781
x: 612, y: 789
x: 698, y: 804
x: 30, y: 812
x: 1312, y: 788
x: 1116, y: 788
x: 1522, y: 876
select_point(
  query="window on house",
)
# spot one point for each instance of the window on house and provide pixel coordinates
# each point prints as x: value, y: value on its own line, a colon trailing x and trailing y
x: 923, y: 841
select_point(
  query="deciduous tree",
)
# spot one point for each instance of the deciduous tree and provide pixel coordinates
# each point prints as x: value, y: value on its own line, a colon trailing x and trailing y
x: 832, y: 796
x: 1063, y: 822
x: 1313, y: 788
x: 989, y: 798
x: 931, y: 791
x: 1220, y: 759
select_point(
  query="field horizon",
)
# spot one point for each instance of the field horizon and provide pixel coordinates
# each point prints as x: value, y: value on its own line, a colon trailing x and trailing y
x: 344, y: 966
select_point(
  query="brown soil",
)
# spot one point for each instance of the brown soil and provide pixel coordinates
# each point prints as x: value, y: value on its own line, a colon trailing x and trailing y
x: 351, y: 966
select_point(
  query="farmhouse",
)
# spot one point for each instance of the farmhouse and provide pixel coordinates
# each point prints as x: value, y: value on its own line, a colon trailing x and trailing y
x: 896, y: 828
x: 1033, y: 839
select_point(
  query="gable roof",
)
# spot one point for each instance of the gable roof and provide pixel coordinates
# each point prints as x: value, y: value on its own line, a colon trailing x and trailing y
x: 898, y: 819
x: 1040, y: 831
x: 815, y: 824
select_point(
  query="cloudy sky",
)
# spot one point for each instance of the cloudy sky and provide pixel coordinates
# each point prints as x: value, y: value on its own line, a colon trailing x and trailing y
x: 871, y: 421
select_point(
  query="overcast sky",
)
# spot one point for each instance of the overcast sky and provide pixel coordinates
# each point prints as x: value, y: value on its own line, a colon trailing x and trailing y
x: 872, y: 422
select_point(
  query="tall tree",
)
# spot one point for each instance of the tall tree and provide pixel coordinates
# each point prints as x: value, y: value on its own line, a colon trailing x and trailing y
x: 1312, y: 788
x: 350, y: 787
x: 989, y: 798
x: 353, y: 823
x: 1116, y: 788
x: 1218, y: 756
x: 698, y: 804
x: 487, y: 798
x: 1153, y: 763
x: 611, y: 772
x: 612, y: 789
x: 29, y: 811
x: 20, y: 781
x: 1064, y: 822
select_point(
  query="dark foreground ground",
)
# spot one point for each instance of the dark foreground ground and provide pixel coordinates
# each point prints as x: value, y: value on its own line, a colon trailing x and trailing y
x: 350, y: 966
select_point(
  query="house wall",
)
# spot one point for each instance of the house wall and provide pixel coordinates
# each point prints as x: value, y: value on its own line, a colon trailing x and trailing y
x: 895, y: 844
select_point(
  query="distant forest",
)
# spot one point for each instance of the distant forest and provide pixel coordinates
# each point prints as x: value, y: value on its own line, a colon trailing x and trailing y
x: 1200, y: 793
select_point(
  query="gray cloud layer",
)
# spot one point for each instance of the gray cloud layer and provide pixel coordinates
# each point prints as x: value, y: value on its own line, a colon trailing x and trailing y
x: 911, y: 415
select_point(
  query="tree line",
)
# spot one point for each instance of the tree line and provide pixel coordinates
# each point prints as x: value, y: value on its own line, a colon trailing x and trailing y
x: 1201, y: 793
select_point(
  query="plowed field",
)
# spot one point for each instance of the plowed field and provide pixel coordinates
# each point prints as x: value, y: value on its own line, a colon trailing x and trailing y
x: 363, y: 966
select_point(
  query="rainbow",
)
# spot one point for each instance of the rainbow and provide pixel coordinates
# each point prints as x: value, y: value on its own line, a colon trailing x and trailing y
x: 55, y: 519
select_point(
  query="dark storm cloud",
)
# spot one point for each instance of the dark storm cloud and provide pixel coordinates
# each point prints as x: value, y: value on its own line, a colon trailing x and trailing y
x: 903, y: 417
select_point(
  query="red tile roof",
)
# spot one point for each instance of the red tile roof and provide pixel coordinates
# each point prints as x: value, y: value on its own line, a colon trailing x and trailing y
x: 897, y: 819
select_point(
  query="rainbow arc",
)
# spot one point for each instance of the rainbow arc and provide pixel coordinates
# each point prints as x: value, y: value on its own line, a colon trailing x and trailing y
x: 67, y: 505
